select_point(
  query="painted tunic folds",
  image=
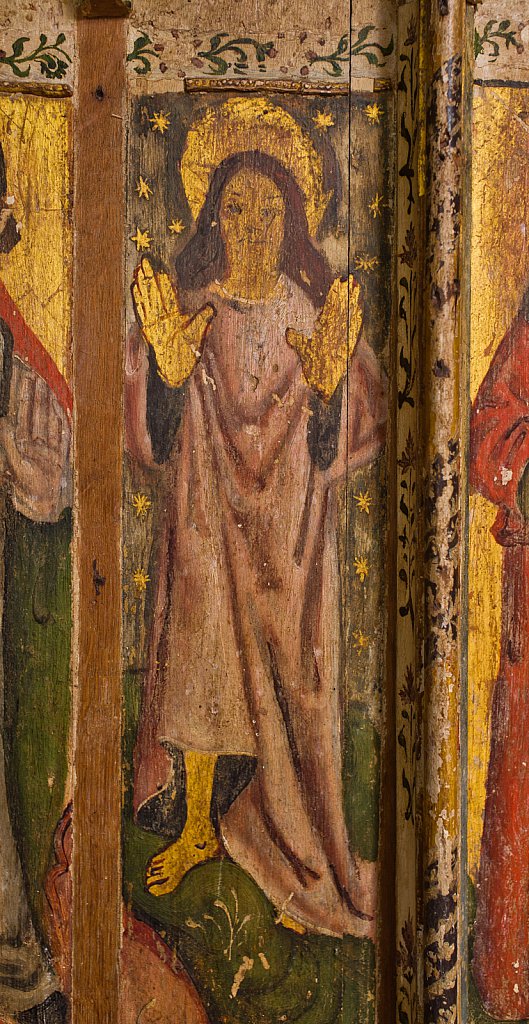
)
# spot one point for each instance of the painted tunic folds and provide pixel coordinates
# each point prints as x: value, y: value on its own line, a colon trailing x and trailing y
x: 35, y: 448
x: 499, y: 460
x: 245, y: 649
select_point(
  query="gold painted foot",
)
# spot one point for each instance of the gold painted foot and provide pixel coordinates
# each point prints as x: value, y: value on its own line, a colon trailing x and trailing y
x: 288, y: 922
x: 166, y: 869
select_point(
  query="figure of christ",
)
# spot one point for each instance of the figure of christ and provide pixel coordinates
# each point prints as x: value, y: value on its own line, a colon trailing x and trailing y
x: 35, y: 410
x: 250, y: 388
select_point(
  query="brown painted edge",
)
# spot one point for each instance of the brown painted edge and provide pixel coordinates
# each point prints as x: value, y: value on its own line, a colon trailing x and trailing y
x: 99, y: 221
x: 103, y: 8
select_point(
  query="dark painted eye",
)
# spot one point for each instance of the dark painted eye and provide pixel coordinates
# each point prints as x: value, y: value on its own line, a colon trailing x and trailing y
x: 233, y: 209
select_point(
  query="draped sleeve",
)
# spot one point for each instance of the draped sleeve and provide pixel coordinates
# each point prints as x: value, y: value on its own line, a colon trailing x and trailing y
x: 364, y: 410
x: 499, y: 429
x: 153, y: 409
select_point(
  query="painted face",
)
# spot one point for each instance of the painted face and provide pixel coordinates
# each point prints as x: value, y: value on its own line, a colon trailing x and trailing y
x: 252, y: 217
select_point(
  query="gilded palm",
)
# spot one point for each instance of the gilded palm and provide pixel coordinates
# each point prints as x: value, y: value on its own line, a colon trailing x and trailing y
x: 325, y: 354
x: 175, y: 337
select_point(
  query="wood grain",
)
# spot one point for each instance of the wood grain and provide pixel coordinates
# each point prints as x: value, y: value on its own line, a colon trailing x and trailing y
x: 98, y: 331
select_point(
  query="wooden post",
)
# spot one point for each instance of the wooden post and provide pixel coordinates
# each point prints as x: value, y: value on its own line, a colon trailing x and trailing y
x: 444, y: 430
x: 97, y: 349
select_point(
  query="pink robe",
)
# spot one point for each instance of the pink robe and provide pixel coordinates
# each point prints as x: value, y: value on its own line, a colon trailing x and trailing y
x: 246, y: 644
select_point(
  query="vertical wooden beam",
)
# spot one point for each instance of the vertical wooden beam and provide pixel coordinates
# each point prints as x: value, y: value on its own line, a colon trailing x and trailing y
x: 445, y: 384
x: 97, y: 346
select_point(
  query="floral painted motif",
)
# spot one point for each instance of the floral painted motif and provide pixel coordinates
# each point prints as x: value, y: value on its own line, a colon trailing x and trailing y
x: 51, y: 58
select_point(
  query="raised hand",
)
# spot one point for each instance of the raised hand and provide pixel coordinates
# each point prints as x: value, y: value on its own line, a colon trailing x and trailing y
x: 324, y: 356
x: 175, y: 337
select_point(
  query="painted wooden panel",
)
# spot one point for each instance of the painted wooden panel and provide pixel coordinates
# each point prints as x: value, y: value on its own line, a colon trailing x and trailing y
x: 36, y: 499
x: 496, y: 717
x: 254, y: 543
x: 294, y: 595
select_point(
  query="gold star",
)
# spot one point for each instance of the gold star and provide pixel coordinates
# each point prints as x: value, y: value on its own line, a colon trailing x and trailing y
x: 160, y: 122
x: 143, y: 188
x: 366, y: 262
x: 141, y: 505
x: 177, y: 226
x: 361, y: 568
x: 141, y: 239
x: 376, y: 204
x: 363, y: 501
x: 141, y: 579
x: 323, y: 120
x: 360, y: 640
x: 373, y: 113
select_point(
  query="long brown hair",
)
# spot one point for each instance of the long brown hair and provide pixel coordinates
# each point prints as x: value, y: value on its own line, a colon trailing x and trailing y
x: 203, y: 259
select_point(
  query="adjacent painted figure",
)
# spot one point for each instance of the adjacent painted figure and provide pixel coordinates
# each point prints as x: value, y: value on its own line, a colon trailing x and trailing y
x: 253, y: 398
x: 35, y: 407
x: 499, y: 471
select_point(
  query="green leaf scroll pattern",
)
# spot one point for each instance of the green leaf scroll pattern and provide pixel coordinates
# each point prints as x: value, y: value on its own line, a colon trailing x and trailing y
x: 338, y: 60
x: 140, y: 54
x: 51, y: 57
x: 493, y: 38
x: 225, y: 53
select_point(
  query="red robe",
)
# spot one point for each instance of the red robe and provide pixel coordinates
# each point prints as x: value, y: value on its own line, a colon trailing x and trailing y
x: 499, y: 455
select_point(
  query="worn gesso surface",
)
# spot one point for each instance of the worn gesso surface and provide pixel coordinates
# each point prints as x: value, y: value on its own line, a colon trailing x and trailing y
x: 261, y: 940
x: 262, y: 41
x: 295, y: 577
x: 38, y: 42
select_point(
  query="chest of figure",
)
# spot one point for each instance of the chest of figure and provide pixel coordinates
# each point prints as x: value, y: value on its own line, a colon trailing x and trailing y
x: 247, y: 357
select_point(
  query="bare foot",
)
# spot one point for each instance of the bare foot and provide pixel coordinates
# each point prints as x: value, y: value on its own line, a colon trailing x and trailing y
x: 166, y: 869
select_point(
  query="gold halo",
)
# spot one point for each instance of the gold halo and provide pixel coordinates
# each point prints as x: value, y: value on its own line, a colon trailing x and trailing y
x: 246, y: 123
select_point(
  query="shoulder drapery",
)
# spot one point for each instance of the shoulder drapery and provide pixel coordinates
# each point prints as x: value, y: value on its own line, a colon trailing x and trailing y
x: 499, y: 445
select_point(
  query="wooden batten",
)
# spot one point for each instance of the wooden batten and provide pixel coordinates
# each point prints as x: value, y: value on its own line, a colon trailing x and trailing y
x: 98, y: 339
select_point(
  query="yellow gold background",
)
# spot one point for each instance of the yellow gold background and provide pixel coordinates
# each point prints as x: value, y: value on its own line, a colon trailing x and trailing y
x: 500, y: 275
x: 35, y: 135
